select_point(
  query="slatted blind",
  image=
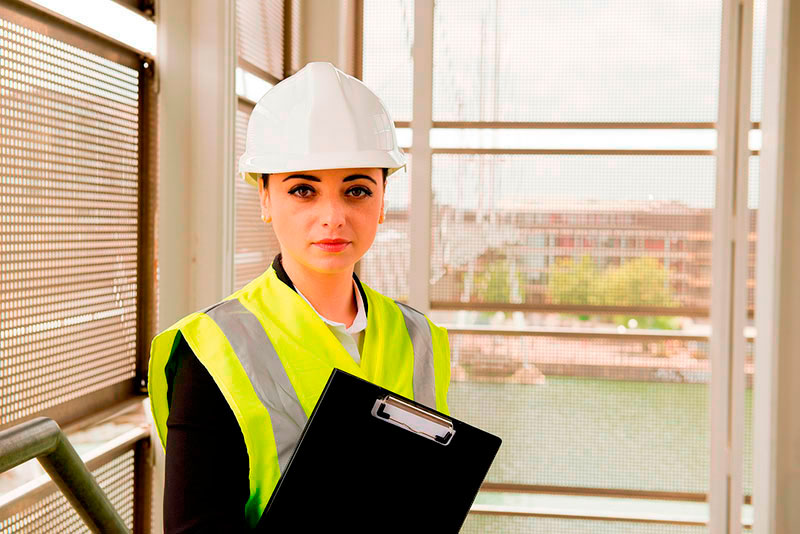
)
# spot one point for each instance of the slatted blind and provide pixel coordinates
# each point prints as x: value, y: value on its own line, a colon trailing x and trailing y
x: 269, y: 47
x: 295, y: 51
x: 260, y: 35
x: 69, y: 230
x: 255, y: 241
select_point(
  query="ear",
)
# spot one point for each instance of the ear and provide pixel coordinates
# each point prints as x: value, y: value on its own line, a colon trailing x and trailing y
x: 263, y: 195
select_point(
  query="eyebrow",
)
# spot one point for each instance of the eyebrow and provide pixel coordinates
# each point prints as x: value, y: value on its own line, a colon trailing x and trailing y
x: 315, y: 179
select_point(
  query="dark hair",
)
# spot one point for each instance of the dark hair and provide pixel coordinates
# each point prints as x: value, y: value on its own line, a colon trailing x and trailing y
x: 265, y: 176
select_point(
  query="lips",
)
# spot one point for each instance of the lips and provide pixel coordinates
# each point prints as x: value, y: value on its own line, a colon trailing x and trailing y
x: 332, y: 245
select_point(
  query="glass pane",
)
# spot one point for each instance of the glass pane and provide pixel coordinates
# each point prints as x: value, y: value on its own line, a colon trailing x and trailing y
x: 572, y: 230
x: 585, y: 61
x: 623, y: 413
x: 385, y: 265
x: 387, y: 63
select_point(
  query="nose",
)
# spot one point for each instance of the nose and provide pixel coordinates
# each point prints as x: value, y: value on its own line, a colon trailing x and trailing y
x: 332, y: 212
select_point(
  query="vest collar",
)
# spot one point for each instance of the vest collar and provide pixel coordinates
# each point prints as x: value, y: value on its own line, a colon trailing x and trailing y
x: 283, y: 277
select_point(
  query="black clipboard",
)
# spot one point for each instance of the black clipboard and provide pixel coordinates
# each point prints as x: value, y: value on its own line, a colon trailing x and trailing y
x: 370, y: 460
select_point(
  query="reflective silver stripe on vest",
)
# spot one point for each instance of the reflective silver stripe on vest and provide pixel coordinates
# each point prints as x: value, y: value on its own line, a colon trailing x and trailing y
x: 265, y: 371
x: 421, y: 338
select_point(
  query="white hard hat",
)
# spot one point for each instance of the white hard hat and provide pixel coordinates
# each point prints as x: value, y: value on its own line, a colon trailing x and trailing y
x: 319, y: 118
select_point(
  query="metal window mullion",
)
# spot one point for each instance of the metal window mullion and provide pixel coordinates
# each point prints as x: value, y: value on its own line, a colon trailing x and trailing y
x: 729, y: 267
x: 741, y: 271
x: 56, y: 26
x: 573, y: 152
x: 775, y: 393
x: 257, y: 71
x: 421, y: 189
x: 229, y: 147
x: 577, y: 515
x: 580, y: 333
x: 505, y: 125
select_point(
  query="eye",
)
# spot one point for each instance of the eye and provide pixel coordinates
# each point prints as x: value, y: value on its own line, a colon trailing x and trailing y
x: 301, y: 191
x: 359, y: 192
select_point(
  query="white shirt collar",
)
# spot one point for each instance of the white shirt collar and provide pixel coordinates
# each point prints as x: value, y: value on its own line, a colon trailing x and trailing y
x: 359, y: 323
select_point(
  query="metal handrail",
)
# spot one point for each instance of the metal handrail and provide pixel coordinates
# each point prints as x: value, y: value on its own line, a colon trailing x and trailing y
x: 42, y: 438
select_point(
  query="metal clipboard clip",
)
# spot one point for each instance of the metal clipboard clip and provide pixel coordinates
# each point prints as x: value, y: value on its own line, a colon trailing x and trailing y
x: 417, y: 420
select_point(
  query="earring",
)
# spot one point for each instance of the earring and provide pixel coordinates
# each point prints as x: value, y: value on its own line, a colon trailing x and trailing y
x: 380, y: 219
x: 266, y: 219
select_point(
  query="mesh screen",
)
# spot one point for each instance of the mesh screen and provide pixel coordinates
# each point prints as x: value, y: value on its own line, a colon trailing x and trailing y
x: 592, y: 413
x: 385, y: 265
x: 749, y: 363
x: 752, y: 203
x: 69, y: 207
x: 747, y: 468
x: 259, y: 36
x: 525, y: 231
x: 585, y: 61
x: 387, y: 63
x: 479, y: 523
x: 254, y: 241
x: 578, y: 230
x: 757, y: 79
x: 55, y: 514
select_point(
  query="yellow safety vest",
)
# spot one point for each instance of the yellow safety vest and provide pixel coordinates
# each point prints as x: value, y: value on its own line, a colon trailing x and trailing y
x: 270, y: 355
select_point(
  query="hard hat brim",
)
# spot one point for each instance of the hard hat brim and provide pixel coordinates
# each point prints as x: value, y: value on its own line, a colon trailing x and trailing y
x: 251, y: 167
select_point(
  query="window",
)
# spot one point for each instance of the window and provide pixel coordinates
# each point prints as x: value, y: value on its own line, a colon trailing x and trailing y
x: 649, y: 254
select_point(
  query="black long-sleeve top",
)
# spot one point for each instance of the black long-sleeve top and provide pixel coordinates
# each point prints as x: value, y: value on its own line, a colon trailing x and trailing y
x: 207, y: 469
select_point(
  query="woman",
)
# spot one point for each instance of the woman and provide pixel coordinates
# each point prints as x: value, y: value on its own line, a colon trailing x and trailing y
x: 232, y: 386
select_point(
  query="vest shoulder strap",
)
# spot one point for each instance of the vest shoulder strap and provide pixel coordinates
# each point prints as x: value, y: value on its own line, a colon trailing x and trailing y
x: 263, y: 367
x: 422, y: 340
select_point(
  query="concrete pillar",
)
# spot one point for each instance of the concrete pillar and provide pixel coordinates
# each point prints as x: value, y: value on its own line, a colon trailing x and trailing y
x: 329, y: 33
x: 196, y: 64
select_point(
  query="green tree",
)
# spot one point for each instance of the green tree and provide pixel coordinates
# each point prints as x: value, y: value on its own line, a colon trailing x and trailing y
x: 493, y: 284
x: 570, y: 282
x: 638, y: 282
